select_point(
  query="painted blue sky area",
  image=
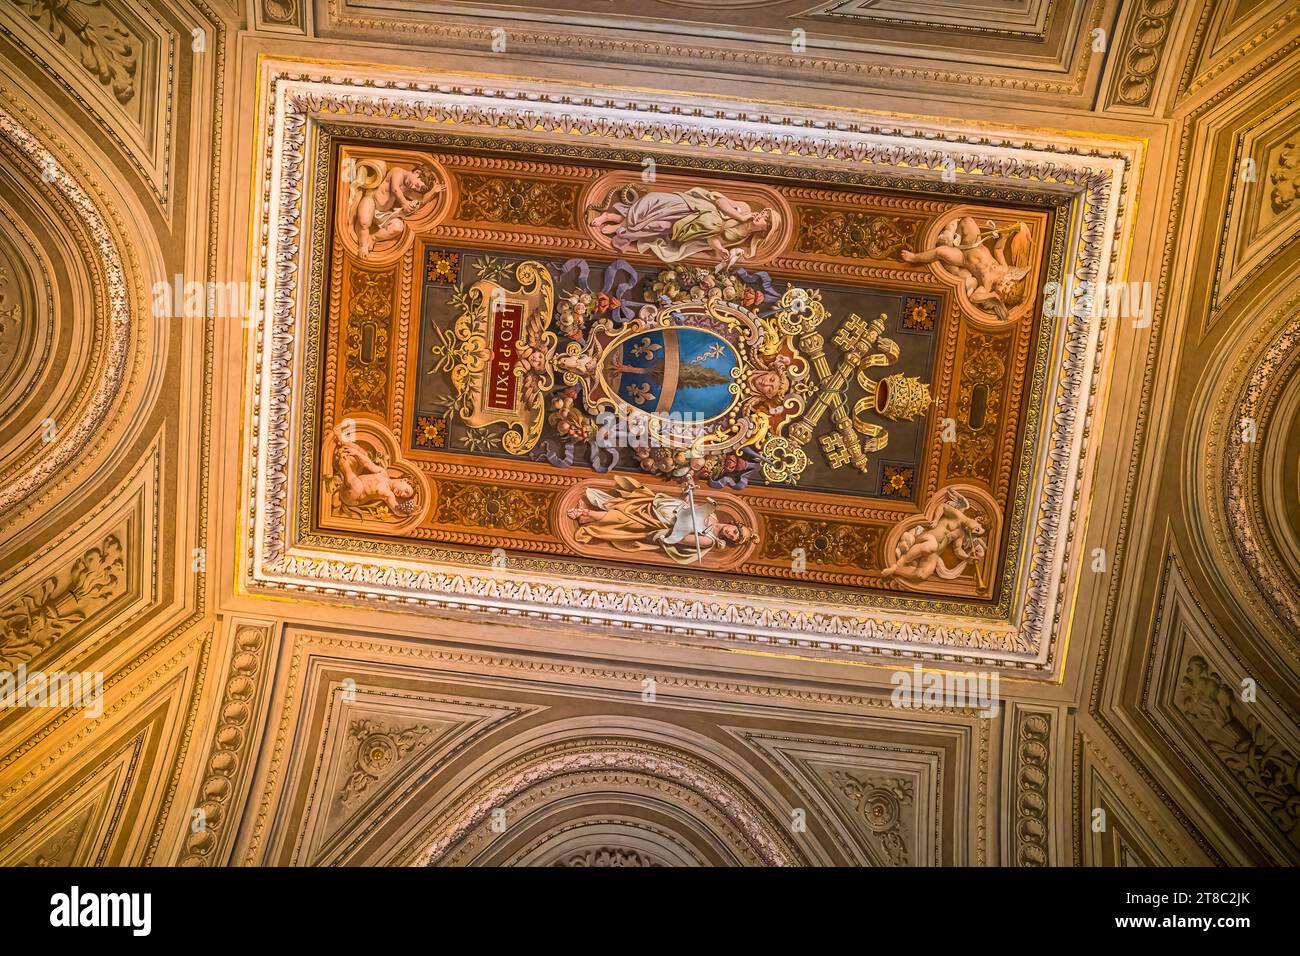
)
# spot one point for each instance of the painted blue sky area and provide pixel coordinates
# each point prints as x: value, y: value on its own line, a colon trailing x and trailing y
x: 692, y: 347
x: 704, y: 348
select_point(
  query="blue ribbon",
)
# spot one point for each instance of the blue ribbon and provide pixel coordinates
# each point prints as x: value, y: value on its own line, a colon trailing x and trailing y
x: 555, y: 460
x: 615, y: 455
x: 764, y: 282
x: 741, y: 482
x: 620, y: 277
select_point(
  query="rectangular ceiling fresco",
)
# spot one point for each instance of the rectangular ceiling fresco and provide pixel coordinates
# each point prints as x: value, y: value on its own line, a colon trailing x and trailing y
x: 653, y: 366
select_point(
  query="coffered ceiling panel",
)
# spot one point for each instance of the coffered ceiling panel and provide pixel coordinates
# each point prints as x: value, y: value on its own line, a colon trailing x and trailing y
x: 1024, y: 48
x: 841, y: 382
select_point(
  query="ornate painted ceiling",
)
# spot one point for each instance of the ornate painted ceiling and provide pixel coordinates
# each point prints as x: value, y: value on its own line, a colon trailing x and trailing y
x: 587, y: 370
x: 451, y: 433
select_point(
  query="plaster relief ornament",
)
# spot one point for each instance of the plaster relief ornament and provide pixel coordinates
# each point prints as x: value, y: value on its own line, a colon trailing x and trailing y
x: 672, y: 226
x: 920, y: 552
x: 33, y: 622
x: 991, y: 263
x: 630, y: 517
x: 366, y: 487
x: 382, y: 196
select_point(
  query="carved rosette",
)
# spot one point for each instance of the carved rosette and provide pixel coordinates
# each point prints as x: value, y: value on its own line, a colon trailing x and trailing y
x: 379, y: 749
x: 880, y: 803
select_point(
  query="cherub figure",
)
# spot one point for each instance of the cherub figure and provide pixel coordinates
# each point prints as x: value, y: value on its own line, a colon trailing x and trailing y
x: 533, y: 372
x: 582, y: 365
x: 363, y: 483
x: 382, y: 196
x: 964, y: 251
x: 920, y: 552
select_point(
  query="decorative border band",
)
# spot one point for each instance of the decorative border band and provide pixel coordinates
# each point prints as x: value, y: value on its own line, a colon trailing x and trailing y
x: 74, y: 439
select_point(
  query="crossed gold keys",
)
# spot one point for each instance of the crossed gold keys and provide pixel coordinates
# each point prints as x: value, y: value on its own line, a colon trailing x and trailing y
x: 864, y: 347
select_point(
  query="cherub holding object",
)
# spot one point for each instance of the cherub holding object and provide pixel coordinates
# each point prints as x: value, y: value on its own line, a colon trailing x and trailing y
x: 382, y: 196
x: 979, y: 258
x: 920, y: 552
x: 362, y: 483
x: 533, y: 372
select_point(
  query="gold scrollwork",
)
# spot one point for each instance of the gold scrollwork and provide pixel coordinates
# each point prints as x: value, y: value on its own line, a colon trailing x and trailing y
x: 783, y: 460
x: 878, y: 437
x: 498, y: 355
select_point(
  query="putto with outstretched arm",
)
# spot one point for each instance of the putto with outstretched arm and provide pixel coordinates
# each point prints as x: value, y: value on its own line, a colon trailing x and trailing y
x: 979, y: 258
x: 363, y: 483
